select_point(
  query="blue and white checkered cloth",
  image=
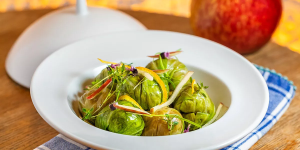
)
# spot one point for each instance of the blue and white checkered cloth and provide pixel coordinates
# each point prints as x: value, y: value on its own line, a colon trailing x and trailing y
x: 281, y: 92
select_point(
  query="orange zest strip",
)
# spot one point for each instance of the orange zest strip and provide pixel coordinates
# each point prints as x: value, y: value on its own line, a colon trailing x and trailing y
x: 171, y: 54
x: 158, y: 80
x: 130, y: 109
x: 193, y: 82
x: 131, y: 100
x: 95, y: 93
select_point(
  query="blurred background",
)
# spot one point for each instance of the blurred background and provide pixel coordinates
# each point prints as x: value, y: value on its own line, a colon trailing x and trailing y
x: 287, y: 33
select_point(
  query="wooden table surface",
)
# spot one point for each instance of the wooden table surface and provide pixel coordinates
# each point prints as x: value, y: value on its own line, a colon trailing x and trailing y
x: 21, y: 127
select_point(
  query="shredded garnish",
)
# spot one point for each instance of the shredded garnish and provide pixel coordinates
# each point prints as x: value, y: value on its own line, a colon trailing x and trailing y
x: 95, y: 93
x: 193, y: 82
x: 175, y: 93
x: 131, y: 100
x: 158, y: 80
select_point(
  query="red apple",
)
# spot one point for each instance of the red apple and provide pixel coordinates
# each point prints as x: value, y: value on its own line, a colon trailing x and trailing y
x: 242, y: 25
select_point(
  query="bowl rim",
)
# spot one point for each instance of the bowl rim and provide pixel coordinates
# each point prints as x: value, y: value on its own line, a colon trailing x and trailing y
x: 36, y: 98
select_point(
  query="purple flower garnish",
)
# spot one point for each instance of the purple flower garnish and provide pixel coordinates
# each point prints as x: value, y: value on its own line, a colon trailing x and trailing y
x: 187, y: 129
x: 165, y: 55
x: 114, y: 65
x: 135, y: 72
x: 130, y: 69
x: 112, y: 107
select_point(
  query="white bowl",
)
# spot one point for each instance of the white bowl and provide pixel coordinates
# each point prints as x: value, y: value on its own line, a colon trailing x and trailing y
x: 231, y: 79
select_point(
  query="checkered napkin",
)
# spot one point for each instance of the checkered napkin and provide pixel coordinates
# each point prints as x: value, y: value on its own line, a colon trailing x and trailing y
x: 281, y: 92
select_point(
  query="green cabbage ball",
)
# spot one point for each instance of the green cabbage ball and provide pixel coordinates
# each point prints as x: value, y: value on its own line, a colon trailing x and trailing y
x: 95, y: 104
x: 196, y: 107
x: 177, y: 70
x: 158, y: 126
x: 148, y: 93
x: 120, y: 121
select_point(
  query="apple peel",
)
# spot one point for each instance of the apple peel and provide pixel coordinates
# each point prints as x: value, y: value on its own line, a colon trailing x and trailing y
x: 107, y: 62
x: 221, y: 110
x: 130, y: 109
x: 175, y: 93
x: 171, y: 54
x: 161, y: 71
x: 95, y: 93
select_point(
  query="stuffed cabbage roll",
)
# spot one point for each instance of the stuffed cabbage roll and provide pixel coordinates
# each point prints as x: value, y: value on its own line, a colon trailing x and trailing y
x: 159, y: 126
x: 145, y: 92
x: 120, y: 121
x: 176, y: 72
x: 196, y: 107
x: 95, y: 103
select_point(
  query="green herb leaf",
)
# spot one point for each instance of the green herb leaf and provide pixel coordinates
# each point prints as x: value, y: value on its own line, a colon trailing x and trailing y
x: 123, y: 68
x: 205, y: 87
x: 161, y: 64
x: 203, y: 94
x: 157, y: 53
x: 179, y: 49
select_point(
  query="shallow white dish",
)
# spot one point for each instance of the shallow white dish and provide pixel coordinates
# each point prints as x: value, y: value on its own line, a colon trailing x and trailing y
x: 231, y: 79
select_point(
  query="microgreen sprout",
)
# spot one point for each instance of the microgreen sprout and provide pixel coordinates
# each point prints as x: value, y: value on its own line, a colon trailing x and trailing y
x: 87, y: 113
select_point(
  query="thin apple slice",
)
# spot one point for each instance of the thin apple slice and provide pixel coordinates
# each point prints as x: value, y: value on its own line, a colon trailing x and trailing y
x: 171, y: 54
x: 175, y: 93
x: 130, y: 109
x: 145, y: 74
x: 161, y: 71
x: 95, y: 93
x: 107, y: 62
x: 221, y: 110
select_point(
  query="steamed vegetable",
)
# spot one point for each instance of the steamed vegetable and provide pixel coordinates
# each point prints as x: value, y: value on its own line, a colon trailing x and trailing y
x: 176, y: 72
x: 94, y: 105
x: 145, y: 92
x: 158, y: 126
x: 120, y: 121
x: 196, y: 107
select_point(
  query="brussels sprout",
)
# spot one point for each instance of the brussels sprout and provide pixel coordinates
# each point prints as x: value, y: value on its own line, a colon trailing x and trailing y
x: 145, y: 92
x: 102, y: 75
x: 198, y: 106
x: 95, y: 103
x: 158, y: 126
x: 120, y: 121
x: 176, y: 72
x: 200, y: 118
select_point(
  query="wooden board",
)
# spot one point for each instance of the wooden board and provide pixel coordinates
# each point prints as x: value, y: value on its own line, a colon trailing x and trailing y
x: 21, y: 127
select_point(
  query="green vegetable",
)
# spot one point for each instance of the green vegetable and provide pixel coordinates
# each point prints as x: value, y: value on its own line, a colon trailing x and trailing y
x: 120, y: 121
x: 159, y: 126
x: 196, y: 107
x: 176, y: 72
x: 89, y: 107
x: 145, y: 92
x: 199, y: 118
